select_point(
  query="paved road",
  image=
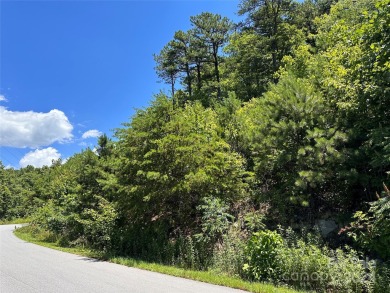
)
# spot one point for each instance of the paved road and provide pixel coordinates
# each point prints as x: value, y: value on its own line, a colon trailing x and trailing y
x: 26, y: 267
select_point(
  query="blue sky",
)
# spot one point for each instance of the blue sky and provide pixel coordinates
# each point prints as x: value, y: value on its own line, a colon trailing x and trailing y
x: 70, y: 70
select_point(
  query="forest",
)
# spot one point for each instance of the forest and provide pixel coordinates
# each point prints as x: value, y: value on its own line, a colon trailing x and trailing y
x: 267, y: 159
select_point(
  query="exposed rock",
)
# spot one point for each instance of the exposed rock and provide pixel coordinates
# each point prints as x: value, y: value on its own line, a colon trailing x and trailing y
x: 327, y: 226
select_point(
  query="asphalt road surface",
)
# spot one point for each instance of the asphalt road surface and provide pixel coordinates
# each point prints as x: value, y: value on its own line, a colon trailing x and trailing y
x: 26, y: 267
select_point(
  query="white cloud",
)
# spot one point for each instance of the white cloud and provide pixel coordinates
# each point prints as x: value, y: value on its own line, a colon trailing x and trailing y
x: 91, y: 133
x: 39, y: 158
x: 33, y: 129
x: 2, y: 98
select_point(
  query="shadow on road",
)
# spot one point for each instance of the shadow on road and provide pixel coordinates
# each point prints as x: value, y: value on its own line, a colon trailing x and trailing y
x: 88, y: 259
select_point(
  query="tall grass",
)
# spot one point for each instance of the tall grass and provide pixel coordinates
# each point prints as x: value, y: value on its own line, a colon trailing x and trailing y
x: 15, y: 221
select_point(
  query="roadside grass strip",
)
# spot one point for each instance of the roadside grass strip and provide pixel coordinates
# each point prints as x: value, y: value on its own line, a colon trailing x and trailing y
x: 26, y: 234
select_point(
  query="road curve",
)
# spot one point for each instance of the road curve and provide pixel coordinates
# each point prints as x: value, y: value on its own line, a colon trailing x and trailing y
x: 26, y: 267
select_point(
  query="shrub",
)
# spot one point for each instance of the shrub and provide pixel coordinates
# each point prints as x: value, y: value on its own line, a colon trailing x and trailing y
x: 382, y: 278
x: 228, y: 257
x: 260, y: 254
x: 215, y: 222
x: 254, y: 221
x: 98, y: 224
x: 188, y: 256
x: 371, y: 230
x: 215, y: 219
x: 49, y: 217
x: 304, y: 266
x: 348, y: 273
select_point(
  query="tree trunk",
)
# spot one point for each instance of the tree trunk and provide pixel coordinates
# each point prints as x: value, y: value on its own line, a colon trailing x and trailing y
x: 173, y: 86
x: 215, y: 55
x: 199, y: 77
x: 188, y: 72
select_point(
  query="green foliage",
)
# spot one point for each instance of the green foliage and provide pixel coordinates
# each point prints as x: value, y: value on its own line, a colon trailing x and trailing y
x: 228, y: 255
x: 194, y: 57
x: 371, y: 230
x: 24, y: 190
x: 98, y: 224
x: 75, y: 209
x: 382, y: 278
x: 350, y: 70
x: 188, y: 254
x: 248, y: 69
x: 348, y: 272
x: 261, y: 262
x: 271, y: 21
x: 304, y: 235
x: 167, y: 69
x: 215, y: 219
x: 304, y: 266
x: 294, y: 143
x: 175, y: 164
x: 308, y: 266
x: 49, y: 218
x: 9, y: 204
x: 254, y: 221
x: 105, y: 146
x: 214, y: 223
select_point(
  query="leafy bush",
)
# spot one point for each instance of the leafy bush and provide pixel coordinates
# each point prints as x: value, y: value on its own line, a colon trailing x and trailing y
x: 304, y: 266
x: 215, y: 222
x: 98, y: 224
x: 310, y: 236
x: 382, y: 278
x: 260, y: 253
x: 188, y: 254
x: 371, y: 230
x: 348, y: 273
x: 309, y: 267
x: 228, y: 256
x: 50, y: 218
x: 254, y: 221
x: 215, y: 219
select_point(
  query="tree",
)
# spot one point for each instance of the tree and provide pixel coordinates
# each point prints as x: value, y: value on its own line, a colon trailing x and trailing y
x: 104, y: 148
x: 266, y: 18
x: 373, y: 74
x: 349, y: 68
x: 295, y: 146
x: 175, y: 59
x: 212, y: 30
x: 195, y: 57
x: 167, y: 68
x: 170, y: 160
x: 182, y: 42
x: 255, y: 52
x: 199, y: 57
x: 248, y: 69
x: 5, y: 193
x: 304, y: 14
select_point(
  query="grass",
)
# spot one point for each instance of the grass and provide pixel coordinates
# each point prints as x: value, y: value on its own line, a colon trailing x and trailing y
x: 43, y: 239
x: 15, y: 221
x: 203, y: 276
x: 27, y: 234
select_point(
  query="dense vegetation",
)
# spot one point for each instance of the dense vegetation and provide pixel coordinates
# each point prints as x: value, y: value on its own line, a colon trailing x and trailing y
x: 272, y: 125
